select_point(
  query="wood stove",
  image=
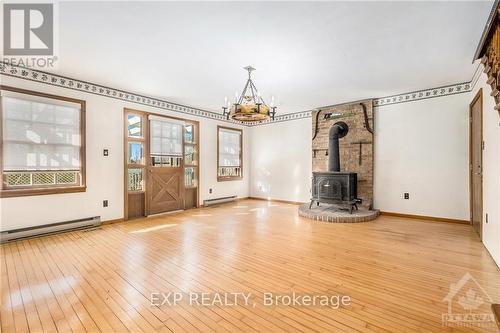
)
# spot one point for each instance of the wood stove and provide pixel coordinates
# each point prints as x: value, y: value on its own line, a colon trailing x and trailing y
x: 333, y: 186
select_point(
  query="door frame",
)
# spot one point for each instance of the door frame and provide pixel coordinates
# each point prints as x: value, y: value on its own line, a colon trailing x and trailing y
x: 145, y: 115
x: 479, y: 96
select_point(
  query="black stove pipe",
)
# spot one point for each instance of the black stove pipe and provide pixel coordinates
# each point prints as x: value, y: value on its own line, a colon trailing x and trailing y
x: 337, y: 131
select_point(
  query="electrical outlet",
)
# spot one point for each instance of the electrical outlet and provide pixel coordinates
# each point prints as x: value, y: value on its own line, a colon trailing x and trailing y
x: 210, y: 190
x: 105, y: 203
x: 406, y: 196
x: 105, y: 152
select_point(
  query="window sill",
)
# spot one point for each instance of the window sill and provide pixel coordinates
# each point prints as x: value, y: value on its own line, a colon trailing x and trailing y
x: 40, y: 191
x: 228, y: 178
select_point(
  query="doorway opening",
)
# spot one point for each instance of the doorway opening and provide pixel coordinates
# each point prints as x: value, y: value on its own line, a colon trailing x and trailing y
x: 476, y: 146
x: 161, y: 164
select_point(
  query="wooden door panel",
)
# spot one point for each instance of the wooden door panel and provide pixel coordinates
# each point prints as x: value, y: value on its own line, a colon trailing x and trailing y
x: 136, y: 205
x: 190, y: 198
x: 165, y: 189
x: 476, y: 172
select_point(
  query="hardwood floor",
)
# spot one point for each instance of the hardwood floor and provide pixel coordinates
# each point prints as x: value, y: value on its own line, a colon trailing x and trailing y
x: 397, y: 272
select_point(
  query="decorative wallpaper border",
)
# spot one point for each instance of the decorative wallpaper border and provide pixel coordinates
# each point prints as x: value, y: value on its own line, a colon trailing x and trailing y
x: 452, y: 89
x: 96, y: 89
x: 284, y: 117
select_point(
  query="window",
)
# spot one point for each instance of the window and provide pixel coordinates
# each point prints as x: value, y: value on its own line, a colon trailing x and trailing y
x: 166, y: 141
x: 134, y: 126
x: 43, y: 141
x: 190, y: 155
x: 135, y: 153
x: 135, y: 179
x: 189, y: 133
x: 229, y: 161
x: 166, y: 136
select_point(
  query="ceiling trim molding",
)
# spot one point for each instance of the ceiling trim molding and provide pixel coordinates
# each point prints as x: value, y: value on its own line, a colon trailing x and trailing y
x: 486, y: 31
x: 97, y: 89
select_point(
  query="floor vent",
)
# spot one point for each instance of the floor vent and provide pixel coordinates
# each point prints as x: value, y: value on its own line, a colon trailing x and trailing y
x: 48, y: 229
x: 211, y: 202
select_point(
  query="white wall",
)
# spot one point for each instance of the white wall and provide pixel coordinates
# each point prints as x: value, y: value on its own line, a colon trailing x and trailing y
x: 422, y: 148
x: 281, y: 162
x: 491, y: 169
x: 105, y: 174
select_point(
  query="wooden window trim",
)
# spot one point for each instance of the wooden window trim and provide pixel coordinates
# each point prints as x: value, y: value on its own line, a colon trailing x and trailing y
x: 230, y: 178
x: 10, y: 193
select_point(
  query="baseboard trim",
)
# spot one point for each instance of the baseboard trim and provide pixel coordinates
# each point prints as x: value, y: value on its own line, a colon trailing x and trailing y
x: 277, y: 200
x: 112, y: 221
x: 424, y: 217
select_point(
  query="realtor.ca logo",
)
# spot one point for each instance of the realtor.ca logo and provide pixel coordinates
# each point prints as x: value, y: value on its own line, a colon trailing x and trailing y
x: 468, y: 304
x: 29, y: 34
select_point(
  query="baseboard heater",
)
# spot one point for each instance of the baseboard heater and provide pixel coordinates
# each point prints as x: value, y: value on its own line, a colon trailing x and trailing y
x: 211, y: 202
x: 48, y: 229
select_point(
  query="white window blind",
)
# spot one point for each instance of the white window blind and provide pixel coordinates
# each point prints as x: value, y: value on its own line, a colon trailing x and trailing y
x: 166, y: 136
x: 39, y: 134
x: 229, y: 148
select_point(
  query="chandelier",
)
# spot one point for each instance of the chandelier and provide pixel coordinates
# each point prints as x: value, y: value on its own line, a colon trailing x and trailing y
x: 249, y: 106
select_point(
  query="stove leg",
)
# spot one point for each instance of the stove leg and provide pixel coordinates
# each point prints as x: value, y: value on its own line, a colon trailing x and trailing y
x: 310, y: 205
x: 356, y: 206
x: 350, y: 209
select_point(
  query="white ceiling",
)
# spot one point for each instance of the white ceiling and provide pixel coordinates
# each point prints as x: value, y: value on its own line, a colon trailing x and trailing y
x: 307, y: 54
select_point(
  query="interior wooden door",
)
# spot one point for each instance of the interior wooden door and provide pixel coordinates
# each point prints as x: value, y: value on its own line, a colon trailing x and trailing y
x: 476, y: 162
x: 165, y: 189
